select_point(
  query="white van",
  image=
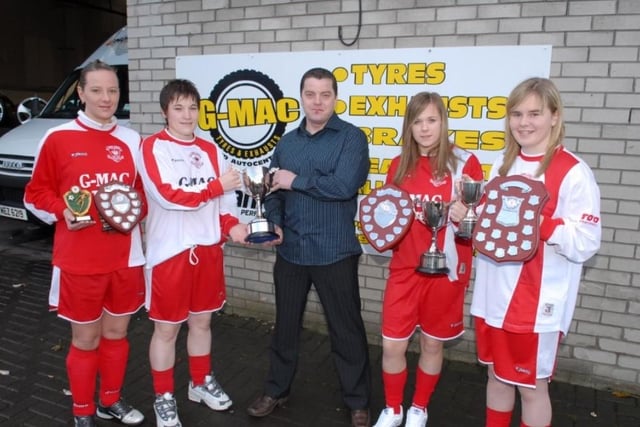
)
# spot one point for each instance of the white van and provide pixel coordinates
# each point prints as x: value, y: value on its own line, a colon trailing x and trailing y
x: 19, y: 145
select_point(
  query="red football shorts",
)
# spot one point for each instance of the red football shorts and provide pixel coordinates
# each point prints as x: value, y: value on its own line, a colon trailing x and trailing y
x: 190, y: 282
x: 433, y: 303
x: 81, y: 298
x: 517, y: 358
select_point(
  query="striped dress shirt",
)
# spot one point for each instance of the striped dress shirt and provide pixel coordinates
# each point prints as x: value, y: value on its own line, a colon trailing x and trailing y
x: 317, y: 215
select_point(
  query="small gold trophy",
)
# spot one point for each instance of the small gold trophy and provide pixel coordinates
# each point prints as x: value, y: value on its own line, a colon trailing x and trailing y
x: 78, y: 201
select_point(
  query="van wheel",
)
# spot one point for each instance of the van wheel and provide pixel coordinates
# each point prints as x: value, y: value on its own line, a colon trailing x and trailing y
x: 30, y: 107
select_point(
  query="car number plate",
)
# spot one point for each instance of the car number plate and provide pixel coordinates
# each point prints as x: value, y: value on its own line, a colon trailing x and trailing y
x: 12, y: 212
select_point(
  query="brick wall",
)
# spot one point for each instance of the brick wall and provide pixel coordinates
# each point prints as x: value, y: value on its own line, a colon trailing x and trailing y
x: 595, y: 63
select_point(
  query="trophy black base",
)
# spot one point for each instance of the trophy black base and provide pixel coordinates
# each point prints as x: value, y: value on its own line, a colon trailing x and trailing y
x: 464, y: 236
x: 465, y: 229
x: 433, y: 263
x: 262, y: 237
x: 261, y: 231
x: 433, y: 271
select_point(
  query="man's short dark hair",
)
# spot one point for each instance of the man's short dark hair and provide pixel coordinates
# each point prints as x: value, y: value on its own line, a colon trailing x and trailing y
x: 320, y: 73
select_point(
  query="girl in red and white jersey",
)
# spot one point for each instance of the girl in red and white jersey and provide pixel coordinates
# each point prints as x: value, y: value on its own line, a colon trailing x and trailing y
x: 192, y: 212
x: 523, y: 309
x: 428, y: 168
x: 97, y: 274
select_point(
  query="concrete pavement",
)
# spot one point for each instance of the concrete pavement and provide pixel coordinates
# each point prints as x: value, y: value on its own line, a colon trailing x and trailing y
x: 34, y: 343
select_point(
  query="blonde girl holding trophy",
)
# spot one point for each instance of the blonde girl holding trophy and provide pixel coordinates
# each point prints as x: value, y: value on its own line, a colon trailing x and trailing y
x: 523, y: 308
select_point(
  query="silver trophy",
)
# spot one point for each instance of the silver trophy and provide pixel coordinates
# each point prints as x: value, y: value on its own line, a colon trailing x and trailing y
x: 435, y: 215
x: 257, y: 182
x: 470, y: 193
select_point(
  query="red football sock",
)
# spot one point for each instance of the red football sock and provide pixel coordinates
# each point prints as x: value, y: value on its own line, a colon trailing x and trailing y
x: 199, y: 367
x: 162, y: 381
x: 425, y: 385
x: 113, y: 356
x: 498, y: 418
x: 394, y: 389
x: 82, y: 370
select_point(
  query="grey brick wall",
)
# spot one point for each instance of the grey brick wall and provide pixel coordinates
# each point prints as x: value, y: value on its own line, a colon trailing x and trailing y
x: 595, y: 62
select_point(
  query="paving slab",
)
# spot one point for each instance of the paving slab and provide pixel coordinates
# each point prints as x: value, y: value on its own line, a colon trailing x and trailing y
x: 34, y: 388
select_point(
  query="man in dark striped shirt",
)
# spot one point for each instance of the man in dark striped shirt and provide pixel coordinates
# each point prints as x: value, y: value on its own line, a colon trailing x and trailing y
x: 320, y: 167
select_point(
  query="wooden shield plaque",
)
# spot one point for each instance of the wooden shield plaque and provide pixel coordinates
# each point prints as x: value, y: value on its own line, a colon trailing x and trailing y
x: 120, y: 205
x: 508, y: 228
x: 385, y: 216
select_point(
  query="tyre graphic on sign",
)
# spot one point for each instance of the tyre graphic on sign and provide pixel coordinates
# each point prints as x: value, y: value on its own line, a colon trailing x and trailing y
x: 251, y: 114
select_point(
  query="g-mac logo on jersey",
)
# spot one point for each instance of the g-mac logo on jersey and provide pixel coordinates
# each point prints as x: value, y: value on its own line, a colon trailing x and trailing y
x: 246, y: 114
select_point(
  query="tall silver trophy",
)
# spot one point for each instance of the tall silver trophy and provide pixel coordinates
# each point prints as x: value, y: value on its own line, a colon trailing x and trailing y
x: 435, y: 215
x: 257, y: 181
x: 470, y: 193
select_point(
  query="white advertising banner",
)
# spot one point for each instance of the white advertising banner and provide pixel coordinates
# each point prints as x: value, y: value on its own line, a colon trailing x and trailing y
x: 250, y: 100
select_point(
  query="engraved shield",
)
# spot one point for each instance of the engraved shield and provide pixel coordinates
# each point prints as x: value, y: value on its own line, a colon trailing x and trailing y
x: 508, y: 228
x: 119, y: 205
x: 385, y: 216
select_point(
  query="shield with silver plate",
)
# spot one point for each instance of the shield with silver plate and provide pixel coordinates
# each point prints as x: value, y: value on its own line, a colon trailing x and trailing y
x: 120, y: 206
x: 385, y: 216
x: 508, y: 229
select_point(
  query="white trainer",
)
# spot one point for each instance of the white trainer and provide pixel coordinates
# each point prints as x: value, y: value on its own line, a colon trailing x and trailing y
x: 416, y: 417
x: 120, y: 411
x: 388, y: 419
x: 166, y: 410
x: 210, y: 393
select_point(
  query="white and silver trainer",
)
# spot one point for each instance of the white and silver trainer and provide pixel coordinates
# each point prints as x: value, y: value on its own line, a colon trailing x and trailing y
x: 210, y: 393
x: 120, y: 411
x: 166, y: 410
